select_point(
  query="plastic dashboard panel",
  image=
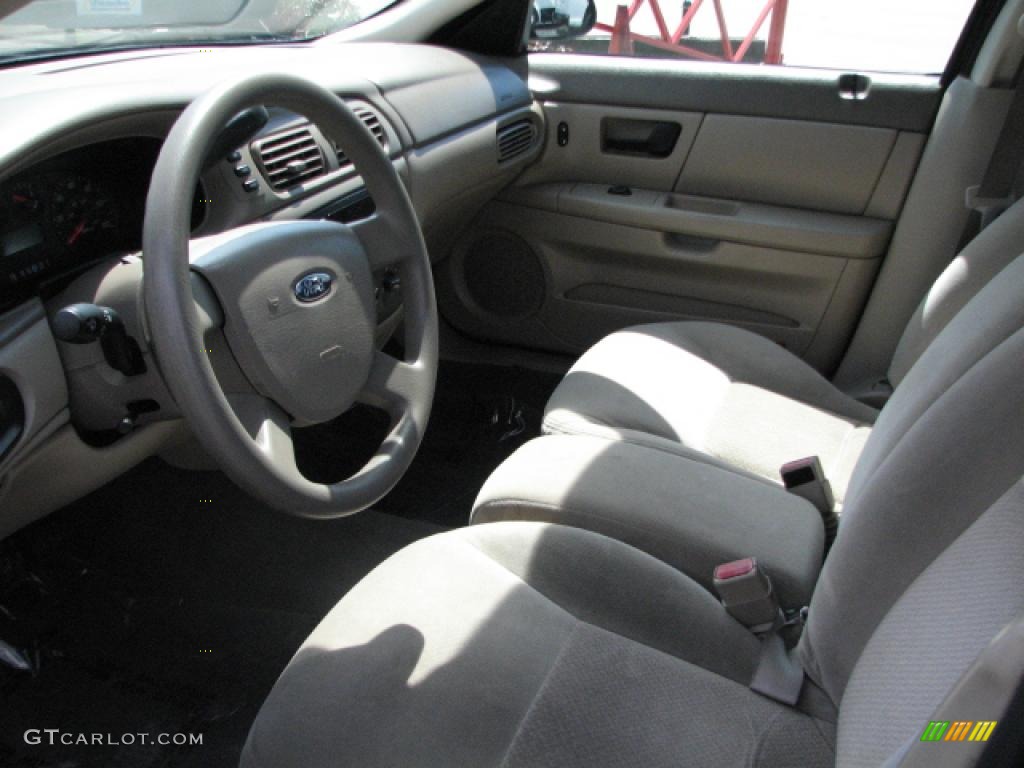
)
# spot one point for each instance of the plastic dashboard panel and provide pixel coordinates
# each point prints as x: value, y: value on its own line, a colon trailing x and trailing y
x: 435, y: 91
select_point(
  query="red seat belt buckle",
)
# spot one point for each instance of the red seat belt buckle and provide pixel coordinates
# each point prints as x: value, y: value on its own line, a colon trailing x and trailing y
x: 735, y: 569
x: 746, y: 593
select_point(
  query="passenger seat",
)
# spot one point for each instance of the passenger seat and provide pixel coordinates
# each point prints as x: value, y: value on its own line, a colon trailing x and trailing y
x: 730, y: 397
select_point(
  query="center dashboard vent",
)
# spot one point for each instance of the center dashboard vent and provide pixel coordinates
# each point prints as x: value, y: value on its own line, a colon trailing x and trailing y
x: 371, y: 121
x: 289, y: 157
x: 516, y: 138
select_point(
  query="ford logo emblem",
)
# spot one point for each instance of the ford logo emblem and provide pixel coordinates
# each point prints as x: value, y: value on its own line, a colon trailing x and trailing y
x: 313, y: 286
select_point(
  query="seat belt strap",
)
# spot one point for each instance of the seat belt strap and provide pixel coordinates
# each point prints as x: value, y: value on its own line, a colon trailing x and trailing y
x: 995, y: 193
x: 779, y: 674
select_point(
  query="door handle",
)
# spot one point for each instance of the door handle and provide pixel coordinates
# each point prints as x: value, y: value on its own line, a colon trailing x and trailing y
x: 645, y: 138
x: 854, y: 87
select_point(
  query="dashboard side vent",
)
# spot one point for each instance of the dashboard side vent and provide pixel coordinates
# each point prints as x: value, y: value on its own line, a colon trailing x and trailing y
x: 371, y: 121
x: 289, y: 157
x: 516, y: 138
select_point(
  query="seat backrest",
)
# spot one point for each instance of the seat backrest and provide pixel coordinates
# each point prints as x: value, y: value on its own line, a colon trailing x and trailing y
x: 929, y: 559
x: 980, y: 260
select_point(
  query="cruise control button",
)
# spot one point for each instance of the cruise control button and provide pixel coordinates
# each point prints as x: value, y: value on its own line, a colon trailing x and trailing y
x: 251, y: 185
x: 242, y: 171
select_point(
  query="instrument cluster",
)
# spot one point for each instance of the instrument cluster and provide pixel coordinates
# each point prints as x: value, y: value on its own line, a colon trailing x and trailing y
x: 54, y: 220
x: 69, y: 212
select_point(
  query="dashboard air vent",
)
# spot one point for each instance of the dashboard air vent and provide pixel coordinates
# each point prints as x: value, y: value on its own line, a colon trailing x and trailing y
x: 515, y: 138
x: 289, y: 157
x: 376, y: 128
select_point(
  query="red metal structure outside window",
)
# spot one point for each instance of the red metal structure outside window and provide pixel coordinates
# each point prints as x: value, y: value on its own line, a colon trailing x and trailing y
x: 623, y: 38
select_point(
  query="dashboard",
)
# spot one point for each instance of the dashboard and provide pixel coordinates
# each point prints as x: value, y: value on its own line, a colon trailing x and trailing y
x: 78, y: 147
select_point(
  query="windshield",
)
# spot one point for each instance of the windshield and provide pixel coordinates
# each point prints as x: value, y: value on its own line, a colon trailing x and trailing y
x: 44, y: 28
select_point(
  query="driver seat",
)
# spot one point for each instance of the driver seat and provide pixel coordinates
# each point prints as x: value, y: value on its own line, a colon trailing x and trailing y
x: 531, y: 644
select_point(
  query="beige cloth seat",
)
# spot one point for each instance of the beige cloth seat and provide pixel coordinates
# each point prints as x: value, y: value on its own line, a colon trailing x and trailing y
x: 531, y: 644
x: 524, y: 644
x: 714, y: 392
x: 728, y: 396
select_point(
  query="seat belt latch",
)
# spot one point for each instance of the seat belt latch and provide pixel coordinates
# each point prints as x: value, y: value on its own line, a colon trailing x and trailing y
x: 989, y: 208
x: 746, y: 593
x: 806, y: 478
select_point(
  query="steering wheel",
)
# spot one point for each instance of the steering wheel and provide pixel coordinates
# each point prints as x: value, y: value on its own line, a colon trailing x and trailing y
x: 295, y: 302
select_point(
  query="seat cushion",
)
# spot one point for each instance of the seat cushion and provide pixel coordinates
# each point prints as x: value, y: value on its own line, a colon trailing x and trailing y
x: 527, y: 644
x: 715, y: 392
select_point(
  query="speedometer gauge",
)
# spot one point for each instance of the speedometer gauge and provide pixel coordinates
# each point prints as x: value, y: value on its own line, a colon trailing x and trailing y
x: 81, y: 211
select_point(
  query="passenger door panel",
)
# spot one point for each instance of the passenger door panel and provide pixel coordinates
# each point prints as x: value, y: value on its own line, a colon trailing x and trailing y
x: 814, y: 165
x: 774, y: 222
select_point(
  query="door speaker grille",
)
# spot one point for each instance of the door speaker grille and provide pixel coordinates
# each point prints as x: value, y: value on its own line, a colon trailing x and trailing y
x: 504, y: 276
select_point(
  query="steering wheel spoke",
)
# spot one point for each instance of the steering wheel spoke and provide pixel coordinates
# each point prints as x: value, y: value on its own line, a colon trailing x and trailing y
x: 209, y: 312
x: 383, y: 241
x: 393, y: 384
x: 268, y: 426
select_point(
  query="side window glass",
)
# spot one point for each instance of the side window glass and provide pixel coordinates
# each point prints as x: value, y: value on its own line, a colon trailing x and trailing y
x: 910, y: 36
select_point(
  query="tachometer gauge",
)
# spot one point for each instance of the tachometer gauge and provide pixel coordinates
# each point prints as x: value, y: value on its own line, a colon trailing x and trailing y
x: 23, y: 203
x: 81, y: 211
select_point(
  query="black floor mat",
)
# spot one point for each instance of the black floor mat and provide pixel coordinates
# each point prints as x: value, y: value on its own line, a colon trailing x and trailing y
x: 481, y: 414
x: 169, y: 601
